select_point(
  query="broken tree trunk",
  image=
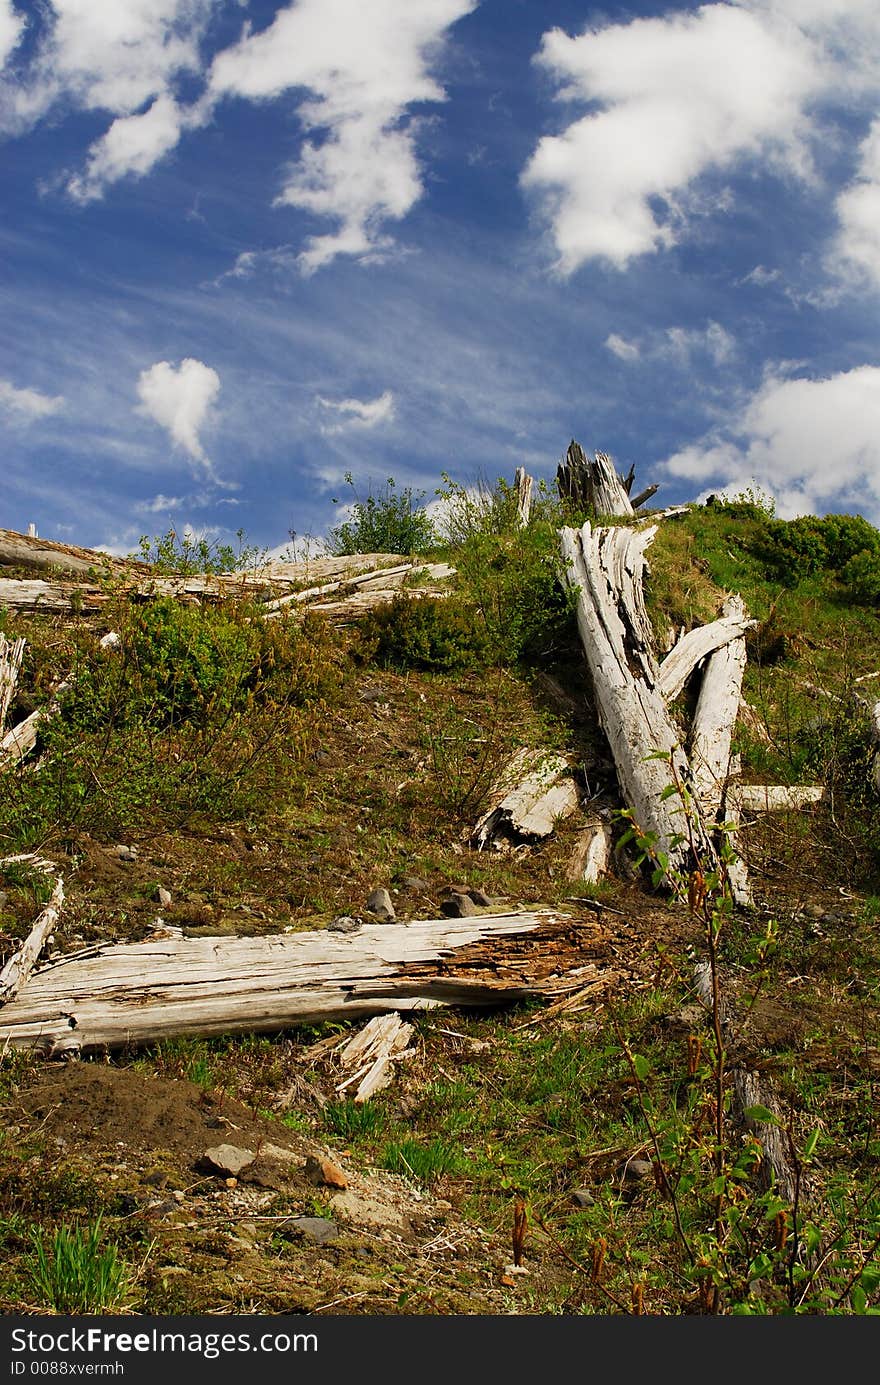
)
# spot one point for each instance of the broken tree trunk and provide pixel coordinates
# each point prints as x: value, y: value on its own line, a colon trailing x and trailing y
x: 715, y: 715
x: 524, y: 485
x: 11, y: 655
x: 591, y: 483
x: 135, y: 993
x: 694, y: 646
x: 605, y: 568
x: 23, y: 550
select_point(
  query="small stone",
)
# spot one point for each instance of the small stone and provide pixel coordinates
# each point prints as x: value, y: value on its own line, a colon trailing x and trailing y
x: 459, y: 906
x: 227, y: 1159
x: 324, y: 1172
x: 178, y: 1195
x: 4, y: 898
x: 814, y: 911
x: 415, y: 883
x: 162, y: 896
x: 315, y: 1229
x: 582, y: 1197
x: 125, y: 853
x: 379, y: 903
x: 344, y: 923
x: 480, y: 897
x: 636, y: 1169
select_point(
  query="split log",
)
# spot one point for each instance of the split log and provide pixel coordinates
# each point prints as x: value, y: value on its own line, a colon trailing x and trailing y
x: 605, y: 568
x: 591, y: 854
x: 533, y: 793
x: 134, y: 993
x: 372, y: 1052
x: 591, y: 483
x: 21, y: 964
x: 644, y: 496
x: 693, y: 647
x: 62, y: 598
x: 715, y: 716
x: 524, y: 485
x: 11, y: 655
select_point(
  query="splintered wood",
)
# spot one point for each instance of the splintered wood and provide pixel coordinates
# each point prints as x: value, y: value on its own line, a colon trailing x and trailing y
x: 370, y: 1055
x: 20, y: 965
x: 133, y: 993
x: 533, y: 792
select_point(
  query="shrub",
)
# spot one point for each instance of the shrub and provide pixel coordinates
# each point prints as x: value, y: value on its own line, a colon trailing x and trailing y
x: 430, y: 634
x: 391, y: 522
x: 861, y: 576
x: 190, y: 553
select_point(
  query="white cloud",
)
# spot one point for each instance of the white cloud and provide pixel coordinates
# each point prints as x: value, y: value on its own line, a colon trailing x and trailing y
x: 132, y: 146
x: 858, y: 210
x: 671, y: 99
x: 26, y: 404
x: 11, y: 27
x: 179, y: 400
x: 761, y: 276
x: 105, y: 55
x: 621, y: 348
x: 359, y: 413
x: 813, y: 444
x: 684, y: 342
x: 363, y: 66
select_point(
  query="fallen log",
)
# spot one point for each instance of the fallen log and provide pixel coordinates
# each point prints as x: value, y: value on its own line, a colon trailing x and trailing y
x: 21, y: 963
x: 715, y: 716
x: 533, y: 793
x: 134, y: 993
x: 22, y: 550
x: 772, y: 798
x: 605, y: 568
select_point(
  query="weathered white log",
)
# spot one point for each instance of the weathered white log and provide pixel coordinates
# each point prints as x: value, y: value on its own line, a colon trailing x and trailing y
x: 771, y: 798
x: 11, y: 655
x: 605, y: 567
x: 875, y: 735
x: 134, y: 993
x: 21, y: 964
x: 369, y: 1055
x: 693, y: 647
x: 715, y: 717
x: 591, y: 483
x: 591, y: 853
x: 22, y: 550
x: 33, y: 594
x: 534, y: 791
x: 524, y: 484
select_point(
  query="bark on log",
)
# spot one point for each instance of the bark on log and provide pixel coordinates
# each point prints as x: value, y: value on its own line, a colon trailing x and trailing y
x: 776, y: 1168
x: 11, y: 655
x: 135, y: 993
x: 592, y: 483
x: 605, y: 567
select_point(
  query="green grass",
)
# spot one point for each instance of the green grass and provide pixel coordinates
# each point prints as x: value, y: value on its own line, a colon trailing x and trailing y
x: 71, y: 1271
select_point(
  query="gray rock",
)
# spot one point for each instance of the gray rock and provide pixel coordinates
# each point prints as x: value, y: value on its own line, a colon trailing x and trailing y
x: 480, y: 897
x: 315, y: 1229
x: 162, y: 896
x: 227, y: 1159
x: 459, y: 906
x: 125, y: 853
x: 344, y: 924
x: 4, y: 898
x: 582, y: 1197
x: 379, y: 903
x: 634, y: 1170
x: 415, y: 883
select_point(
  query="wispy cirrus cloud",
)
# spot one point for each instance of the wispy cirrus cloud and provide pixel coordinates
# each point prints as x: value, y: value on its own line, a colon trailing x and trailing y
x: 358, y: 413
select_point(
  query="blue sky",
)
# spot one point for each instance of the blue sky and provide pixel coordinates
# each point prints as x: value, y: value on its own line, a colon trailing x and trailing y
x: 249, y: 246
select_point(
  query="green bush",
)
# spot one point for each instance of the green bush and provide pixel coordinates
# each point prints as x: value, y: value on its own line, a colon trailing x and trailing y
x: 391, y: 522
x: 430, y: 634
x: 861, y: 577
x: 846, y: 547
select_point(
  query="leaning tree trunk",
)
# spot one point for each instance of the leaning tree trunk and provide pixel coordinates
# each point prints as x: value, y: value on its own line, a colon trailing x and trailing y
x: 606, y: 568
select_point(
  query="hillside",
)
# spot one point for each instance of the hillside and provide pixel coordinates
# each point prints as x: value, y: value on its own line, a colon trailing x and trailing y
x: 258, y: 751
